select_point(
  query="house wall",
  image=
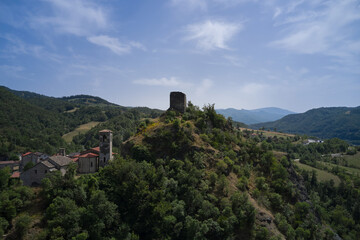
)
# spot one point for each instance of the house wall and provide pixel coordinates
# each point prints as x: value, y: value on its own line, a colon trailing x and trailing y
x: 34, y: 175
x: 28, y: 158
x: 88, y: 165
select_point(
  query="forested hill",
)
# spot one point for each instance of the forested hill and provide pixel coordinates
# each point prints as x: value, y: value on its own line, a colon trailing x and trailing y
x: 190, y: 176
x: 62, y: 104
x: 340, y: 122
x: 34, y: 122
x: 254, y: 116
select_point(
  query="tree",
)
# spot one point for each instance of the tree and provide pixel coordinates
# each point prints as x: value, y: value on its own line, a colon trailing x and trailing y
x: 22, y: 224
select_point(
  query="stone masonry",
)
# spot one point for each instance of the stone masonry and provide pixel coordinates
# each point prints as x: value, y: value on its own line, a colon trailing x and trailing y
x: 178, y: 101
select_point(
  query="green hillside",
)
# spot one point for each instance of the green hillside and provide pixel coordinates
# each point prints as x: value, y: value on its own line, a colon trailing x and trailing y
x: 339, y: 122
x: 24, y: 126
x: 190, y: 176
x: 34, y: 122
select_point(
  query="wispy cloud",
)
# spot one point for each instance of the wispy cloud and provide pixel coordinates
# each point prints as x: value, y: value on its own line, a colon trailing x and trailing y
x: 13, y: 71
x: 18, y: 47
x: 324, y: 31
x: 114, y: 44
x: 211, y: 35
x: 164, y: 82
x: 77, y: 17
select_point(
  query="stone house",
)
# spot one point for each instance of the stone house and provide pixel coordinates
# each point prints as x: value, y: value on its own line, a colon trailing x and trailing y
x: 31, y: 157
x: 34, y: 175
x: 89, y: 161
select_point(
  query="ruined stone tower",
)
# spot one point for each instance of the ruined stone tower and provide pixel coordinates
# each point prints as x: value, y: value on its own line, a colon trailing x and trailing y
x: 178, y: 101
x: 105, y: 138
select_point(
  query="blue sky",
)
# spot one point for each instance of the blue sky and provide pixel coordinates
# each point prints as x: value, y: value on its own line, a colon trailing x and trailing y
x: 296, y: 55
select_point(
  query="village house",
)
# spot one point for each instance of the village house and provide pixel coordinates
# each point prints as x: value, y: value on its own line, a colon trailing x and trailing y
x: 34, y: 175
x: 89, y: 161
x: 31, y: 157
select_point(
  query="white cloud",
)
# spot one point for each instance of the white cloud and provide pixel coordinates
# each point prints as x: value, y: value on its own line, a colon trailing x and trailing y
x: 114, y: 44
x: 212, y: 35
x: 277, y: 12
x: 138, y: 45
x: 204, y: 87
x: 324, y: 31
x: 18, y: 47
x: 164, y: 82
x: 77, y: 17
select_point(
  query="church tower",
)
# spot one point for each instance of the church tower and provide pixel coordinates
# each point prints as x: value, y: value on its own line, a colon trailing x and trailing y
x: 105, y: 138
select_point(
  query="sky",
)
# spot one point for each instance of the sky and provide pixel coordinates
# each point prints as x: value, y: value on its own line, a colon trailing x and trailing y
x: 243, y: 54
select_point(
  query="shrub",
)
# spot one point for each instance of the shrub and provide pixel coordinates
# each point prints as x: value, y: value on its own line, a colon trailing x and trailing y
x: 22, y: 225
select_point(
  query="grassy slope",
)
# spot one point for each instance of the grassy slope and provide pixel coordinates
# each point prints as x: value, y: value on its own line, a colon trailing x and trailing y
x: 321, y: 174
x: 81, y: 129
x: 347, y: 169
x: 353, y: 160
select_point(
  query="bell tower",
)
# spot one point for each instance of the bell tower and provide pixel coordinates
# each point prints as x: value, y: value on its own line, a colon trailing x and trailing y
x: 105, y: 138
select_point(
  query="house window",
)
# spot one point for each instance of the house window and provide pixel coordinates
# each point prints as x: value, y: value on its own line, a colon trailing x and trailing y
x: 91, y: 164
x: 35, y: 171
x: 45, y: 171
x: 104, y: 159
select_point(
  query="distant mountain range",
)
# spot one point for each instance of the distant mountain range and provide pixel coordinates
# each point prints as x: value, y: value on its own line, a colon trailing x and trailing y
x: 256, y: 115
x: 340, y: 122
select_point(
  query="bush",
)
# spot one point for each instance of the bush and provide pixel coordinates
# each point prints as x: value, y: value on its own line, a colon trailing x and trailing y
x: 22, y: 225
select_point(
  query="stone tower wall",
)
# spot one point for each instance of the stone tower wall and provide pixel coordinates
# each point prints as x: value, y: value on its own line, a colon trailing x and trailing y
x: 178, y: 101
x: 105, y: 138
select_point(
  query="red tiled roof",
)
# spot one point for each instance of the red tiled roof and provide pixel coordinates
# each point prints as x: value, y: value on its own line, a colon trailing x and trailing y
x: 75, y: 159
x: 105, y: 130
x: 96, y: 149
x: 25, y: 154
x: 15, y: 175
x: 87, y: 155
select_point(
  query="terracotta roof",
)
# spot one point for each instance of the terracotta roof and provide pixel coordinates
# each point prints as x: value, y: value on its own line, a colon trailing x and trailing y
x: 87, y: 155
x: 75, y: 159
x: 96, y: 149
x: 105, y: 130
x: 74, y: 154
x: 15, y: 175
x: 25, y: 154
x: 60, y: 160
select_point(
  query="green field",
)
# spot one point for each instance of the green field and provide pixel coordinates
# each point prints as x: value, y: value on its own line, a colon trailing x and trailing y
x: 81, y: 129
x: 347, y: 169
x: 322, y: 175
x: 353, y: 160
